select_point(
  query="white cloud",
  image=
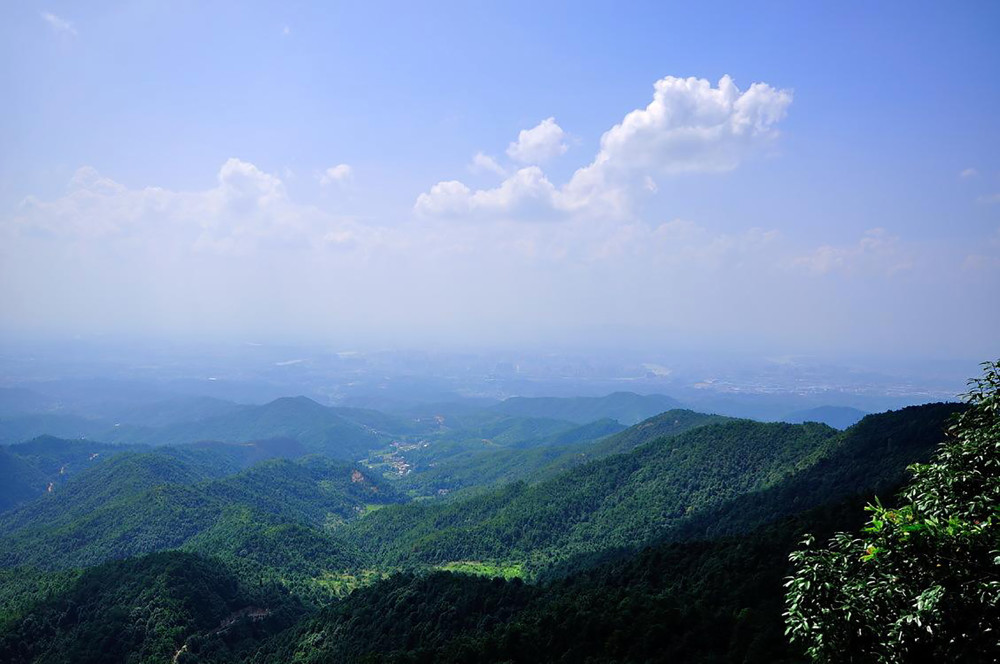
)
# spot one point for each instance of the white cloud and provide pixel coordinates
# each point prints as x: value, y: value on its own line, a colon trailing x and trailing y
x: 58, y: 24
x: 240, y: 254
x: 989, y: 199
x: 968, y: 173
x: 526, y: 194
x: 981, y: 262
x: 285, y: 31
x: 689, y: 126
x: 876, y: 252
x: 336, y: 174
x: 483, y: 163
x: 539, y: 144
x: 245, y: 209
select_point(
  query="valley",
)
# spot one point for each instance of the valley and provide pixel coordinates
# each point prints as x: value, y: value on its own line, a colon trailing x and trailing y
x: 313, y: 517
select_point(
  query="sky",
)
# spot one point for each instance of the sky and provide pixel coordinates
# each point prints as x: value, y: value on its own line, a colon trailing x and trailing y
x: 789, y: 177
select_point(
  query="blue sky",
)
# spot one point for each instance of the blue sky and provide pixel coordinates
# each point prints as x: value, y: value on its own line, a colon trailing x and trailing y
x: 310, y: 171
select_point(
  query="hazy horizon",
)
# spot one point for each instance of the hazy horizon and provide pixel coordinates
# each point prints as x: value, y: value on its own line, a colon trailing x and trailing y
x: 792, y: 181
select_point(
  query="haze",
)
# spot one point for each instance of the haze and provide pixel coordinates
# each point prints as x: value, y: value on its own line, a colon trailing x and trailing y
x: 790, y: 179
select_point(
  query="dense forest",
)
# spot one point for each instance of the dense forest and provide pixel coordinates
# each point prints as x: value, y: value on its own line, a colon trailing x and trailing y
x: 518, y: 533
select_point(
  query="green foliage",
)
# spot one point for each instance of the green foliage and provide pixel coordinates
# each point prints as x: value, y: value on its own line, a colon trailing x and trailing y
x: 921, y: 582
x: 483, y: 568
x: 140, y: 503
x: 21, y: 588
x: 28, y: 470
x: 148, y: 609
x: 870, y: 457
x: 456, y: 460
x: 19, y: 481
x: 623, y: 500
x: 300, y: 557
x: 678, y: 602
x: 669, y: 423
x: 712, y: 496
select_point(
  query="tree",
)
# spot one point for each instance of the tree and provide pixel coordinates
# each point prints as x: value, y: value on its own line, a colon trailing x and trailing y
x: 921, y: 582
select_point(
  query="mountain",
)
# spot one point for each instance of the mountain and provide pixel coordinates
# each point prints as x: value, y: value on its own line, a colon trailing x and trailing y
x: 666, y: 541
x: 669, y: 423
x: 345, y: 433
x: 700, y: 600
x: 615, y: 501
x: 23, y: 427
x: 626, y: 407
x: 478, y: 467
x: 703, y: 601
x: 839, y: 417
x: 19, y: 480
x: 672, y: 487
x: 156, y: 608
x: 137, y: 503
x: 318, y: 428
x: 44, y: 463
x: 29, y: 470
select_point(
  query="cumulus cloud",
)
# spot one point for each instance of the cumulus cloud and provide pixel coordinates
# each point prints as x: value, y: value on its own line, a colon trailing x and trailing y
x: 689, y: 126
x: 525, y: 194
x: 336, y: 174
x: 539, y: 144
x: 483, y: 163
x: 692, y: 126
x: 58, y: 24
x: 876, y: 252
x: 246, y: 208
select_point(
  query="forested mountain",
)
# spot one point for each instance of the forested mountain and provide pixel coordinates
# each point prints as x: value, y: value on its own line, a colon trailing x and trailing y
x: 22, y: 427
x: 20, y: 481
x: 617, y: 501
x: 137, y: 503
x: 345, y: 433
x: 664, y: 541
x: 151, y: 609
x: 446, y: 466
x: 702, y: 601
x: 39, y: 466
x: 669, y: 423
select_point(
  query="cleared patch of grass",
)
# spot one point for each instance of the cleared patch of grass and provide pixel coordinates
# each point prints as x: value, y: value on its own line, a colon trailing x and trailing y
x: 503, y: 570
x: 342, y: 584
x: 371, y: 507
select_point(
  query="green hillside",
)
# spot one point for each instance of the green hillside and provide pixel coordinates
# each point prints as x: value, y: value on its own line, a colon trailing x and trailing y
x: 480, y: 466
x: 151, y: 609
x: 616, y: 501
x: 20, y: 481
x: 666, y: 541
x: 140, y: 503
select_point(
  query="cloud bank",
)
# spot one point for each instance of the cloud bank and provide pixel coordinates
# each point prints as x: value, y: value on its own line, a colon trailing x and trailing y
x: 243, y: 253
